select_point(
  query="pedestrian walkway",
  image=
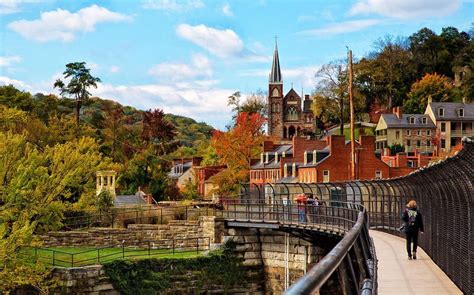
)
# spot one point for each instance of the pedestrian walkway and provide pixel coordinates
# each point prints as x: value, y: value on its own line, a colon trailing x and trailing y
x: 398, y: 275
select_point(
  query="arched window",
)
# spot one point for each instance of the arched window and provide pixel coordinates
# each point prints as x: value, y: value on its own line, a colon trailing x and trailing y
x: 292, y: 114
x: 275, y: 92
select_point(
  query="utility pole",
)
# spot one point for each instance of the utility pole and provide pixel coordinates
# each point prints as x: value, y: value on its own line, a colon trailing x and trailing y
x: 351, y: 107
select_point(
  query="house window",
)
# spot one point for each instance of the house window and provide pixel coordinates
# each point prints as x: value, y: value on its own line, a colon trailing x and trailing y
x: 461, y: 112
x: 428, y: 143
x: 408, y: 142
x: 411, y: 164
x: 428, y: 132
x: 397, y: 134
x: 443, y: 143
x: 423, y: 120
x: 378, y: 174
x: 325, y: 175
x: 418, y: 143
x: 441, y: 112
x: 443, y: 127
x: 412, y: 120
x: 418, y: 132
x: 275, y: 92
x: 408, y: 132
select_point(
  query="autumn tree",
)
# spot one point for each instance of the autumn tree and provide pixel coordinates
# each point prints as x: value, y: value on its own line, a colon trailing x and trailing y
x: 238, y: 146
x: 78, y: 79
x: 255, y: 102
x: 434, y: 86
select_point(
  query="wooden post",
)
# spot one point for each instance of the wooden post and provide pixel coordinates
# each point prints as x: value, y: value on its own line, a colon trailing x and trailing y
x: 351, y: 107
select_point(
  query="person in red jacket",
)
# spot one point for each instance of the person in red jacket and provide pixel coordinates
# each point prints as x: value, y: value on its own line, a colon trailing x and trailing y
x: 413, y: 222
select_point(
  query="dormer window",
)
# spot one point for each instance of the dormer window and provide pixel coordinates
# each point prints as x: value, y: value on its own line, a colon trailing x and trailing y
x: 412, y: 120
x: 424, y: 120
x: 461, y: 112
x: 441, y: 112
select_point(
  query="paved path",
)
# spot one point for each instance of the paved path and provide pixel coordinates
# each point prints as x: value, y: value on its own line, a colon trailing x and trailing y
x: 398, y: 275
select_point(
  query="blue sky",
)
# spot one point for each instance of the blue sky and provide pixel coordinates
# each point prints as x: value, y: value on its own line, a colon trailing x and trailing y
x: 188, y: 56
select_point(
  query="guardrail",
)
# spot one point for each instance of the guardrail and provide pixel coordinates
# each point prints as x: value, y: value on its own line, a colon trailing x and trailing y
x: 162, y: 248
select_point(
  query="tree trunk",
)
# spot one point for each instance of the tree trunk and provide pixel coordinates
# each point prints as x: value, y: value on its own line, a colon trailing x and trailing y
x: 78, y: 110
x: 341, y: 106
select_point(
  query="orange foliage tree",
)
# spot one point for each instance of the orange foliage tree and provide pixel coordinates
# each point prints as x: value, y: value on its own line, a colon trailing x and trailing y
x: 236, y: 148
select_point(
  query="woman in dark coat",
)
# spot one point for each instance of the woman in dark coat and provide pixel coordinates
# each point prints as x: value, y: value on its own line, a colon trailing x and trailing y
x: 413, y: 222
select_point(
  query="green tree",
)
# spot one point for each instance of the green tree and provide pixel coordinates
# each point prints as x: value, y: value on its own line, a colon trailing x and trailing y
x: 80, y: 79
x: 37, y: 186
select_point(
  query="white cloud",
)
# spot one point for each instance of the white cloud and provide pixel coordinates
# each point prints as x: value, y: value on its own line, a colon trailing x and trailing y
x: 226, y: 10
x: 17, y: 83
x: 405, y: 9
x: 63, y: 25
x: 200, y: 67
x: 114, y: 69
x: 172, y: 5
x: 6, y: 61
x: 300, y: 76
x: 222, y: 43
x: 200, y: 103
x: 342, y: 27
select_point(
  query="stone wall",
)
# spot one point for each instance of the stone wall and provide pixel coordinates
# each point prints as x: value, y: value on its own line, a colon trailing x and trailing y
x: 265, y: 248
x: 139, y: 235
x: 92, y: 280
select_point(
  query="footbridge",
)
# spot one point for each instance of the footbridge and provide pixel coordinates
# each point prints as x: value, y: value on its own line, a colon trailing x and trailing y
x: 363, y: 218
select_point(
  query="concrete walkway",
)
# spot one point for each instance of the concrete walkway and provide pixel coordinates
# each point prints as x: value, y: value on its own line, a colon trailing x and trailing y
x: 398, y: 275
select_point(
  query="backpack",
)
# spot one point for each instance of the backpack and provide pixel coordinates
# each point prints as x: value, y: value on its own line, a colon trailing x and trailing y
x: 411, y: 219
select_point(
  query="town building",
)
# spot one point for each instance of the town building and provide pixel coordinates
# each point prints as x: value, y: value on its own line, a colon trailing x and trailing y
x: 288, y: 115
x: 187, y: 171
x: 453, y: 121
x: 415, y: 132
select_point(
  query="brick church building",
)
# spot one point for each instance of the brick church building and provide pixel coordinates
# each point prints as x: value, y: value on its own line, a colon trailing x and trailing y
x: 288, y: 115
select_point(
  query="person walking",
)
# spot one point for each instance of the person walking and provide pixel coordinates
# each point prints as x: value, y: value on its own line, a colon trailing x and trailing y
x: 413, y: 222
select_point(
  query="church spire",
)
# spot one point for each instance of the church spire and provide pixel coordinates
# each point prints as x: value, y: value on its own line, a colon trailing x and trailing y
x: 275, y: 75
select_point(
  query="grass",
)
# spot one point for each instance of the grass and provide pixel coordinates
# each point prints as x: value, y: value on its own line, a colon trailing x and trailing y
x: 347, y: 132
x: 78, y: 256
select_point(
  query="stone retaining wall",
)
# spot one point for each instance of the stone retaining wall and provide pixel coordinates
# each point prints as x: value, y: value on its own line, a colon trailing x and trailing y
x: 92, y: 280
x: 140, y: 235
x: 265, y: 248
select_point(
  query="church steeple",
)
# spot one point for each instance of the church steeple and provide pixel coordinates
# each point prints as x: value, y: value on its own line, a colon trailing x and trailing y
x: 275, y: 75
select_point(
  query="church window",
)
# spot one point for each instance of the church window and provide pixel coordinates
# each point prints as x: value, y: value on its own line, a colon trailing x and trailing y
x: 275, y: 92
x: 292, y: 114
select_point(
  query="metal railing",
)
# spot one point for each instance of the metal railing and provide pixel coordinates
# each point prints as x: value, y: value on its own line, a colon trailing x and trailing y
x: 445, y: 196
x: 95, y: 256
x: 153, y: 215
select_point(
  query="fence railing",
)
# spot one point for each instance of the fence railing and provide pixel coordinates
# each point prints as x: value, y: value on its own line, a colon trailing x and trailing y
x: 156, y: 249
x: 153, y: 215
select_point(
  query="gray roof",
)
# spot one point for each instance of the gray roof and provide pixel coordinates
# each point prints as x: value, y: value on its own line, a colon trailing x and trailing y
x: 124, y: 200
x: 185, y: 167
x: 451, y: 110
x: 275, y: 75
x: 270, y: 165
x: 393, y: 121
x: 287, y: 148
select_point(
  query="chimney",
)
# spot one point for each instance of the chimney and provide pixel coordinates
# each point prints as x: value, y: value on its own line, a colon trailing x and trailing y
x: 285, y: 171
x: 430, y: 99
x: 398, y: 112
x: 266, y: 158
x: 464, y: 100
x: 306, y: 97
x: 293, y: 170
x: 276, y: 157
x: 314, y: 157
x: 261, y: 158
x: 283, y: 155
x: 305, y: 157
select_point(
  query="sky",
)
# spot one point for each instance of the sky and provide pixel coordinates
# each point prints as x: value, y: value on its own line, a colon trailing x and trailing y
x: 188, y: 56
